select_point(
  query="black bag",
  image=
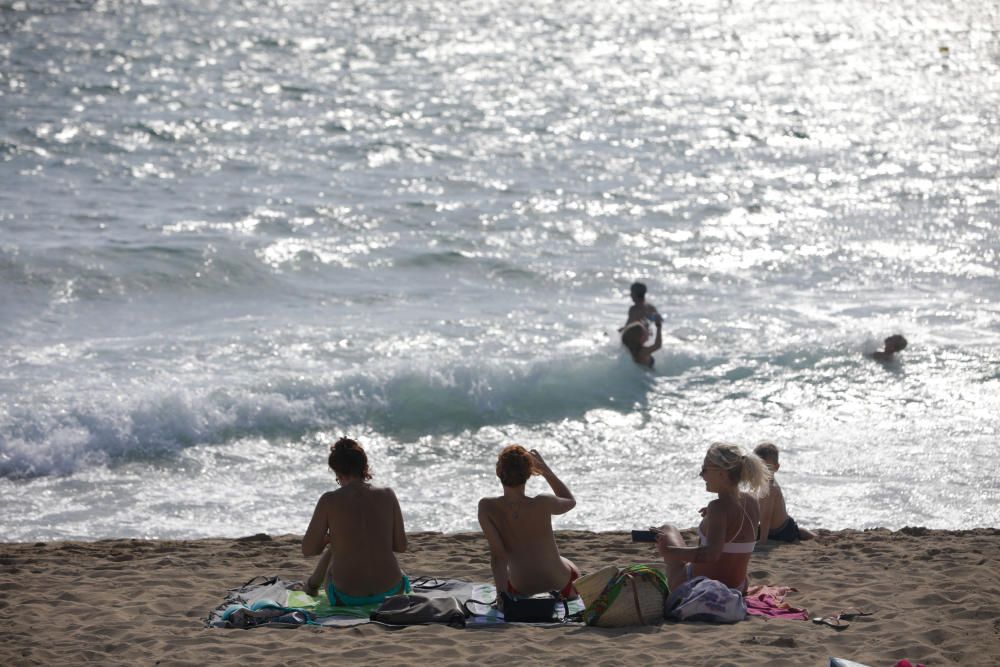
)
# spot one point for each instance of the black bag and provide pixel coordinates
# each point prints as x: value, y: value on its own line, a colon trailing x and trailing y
x: 534, y: 609
x: 418, y: 609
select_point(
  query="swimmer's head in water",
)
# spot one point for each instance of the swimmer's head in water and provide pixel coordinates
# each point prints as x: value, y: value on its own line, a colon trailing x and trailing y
x: 348, y: 460
x: 514, y: 465
x: 638, y: 291
x: 895, y: 343
x: 747, y: 470
x: 634, y: 337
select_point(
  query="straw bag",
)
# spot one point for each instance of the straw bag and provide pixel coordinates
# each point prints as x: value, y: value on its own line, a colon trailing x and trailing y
x: 620, y: 596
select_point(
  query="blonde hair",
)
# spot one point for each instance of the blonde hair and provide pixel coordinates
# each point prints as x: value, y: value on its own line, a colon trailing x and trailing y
x: 746, y: 470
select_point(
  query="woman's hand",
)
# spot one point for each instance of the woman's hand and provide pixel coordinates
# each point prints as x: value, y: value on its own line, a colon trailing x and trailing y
x: 662, y: 544
x: 539, y: 463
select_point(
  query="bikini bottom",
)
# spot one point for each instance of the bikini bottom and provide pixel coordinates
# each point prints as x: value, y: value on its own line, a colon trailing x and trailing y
x: 787, y: 532
x: 567, y: 591
x: 339, y: 599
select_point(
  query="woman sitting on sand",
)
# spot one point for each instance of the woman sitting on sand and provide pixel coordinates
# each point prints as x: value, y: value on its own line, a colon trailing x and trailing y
x: 523, y: 552
x: 364, y: 527
x: 728, y: 532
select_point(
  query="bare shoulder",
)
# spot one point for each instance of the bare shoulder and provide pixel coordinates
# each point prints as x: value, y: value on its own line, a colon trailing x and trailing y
x: 545, y: 500
x: 488, y: 503
x: 715, y: 506
x: 383, y: 495
x: 328, y: 499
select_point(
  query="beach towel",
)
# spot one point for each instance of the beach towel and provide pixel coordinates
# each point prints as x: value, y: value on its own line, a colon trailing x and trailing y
x: 273, y: 594
x: 707, y: 600
x: 278, y: 593
x: 769, y: 602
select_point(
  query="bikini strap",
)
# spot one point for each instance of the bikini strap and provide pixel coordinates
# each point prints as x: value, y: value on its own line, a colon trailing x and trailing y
x: 746, y: 515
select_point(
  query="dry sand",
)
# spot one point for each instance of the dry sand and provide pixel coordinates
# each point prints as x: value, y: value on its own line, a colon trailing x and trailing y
x: 936, y: 595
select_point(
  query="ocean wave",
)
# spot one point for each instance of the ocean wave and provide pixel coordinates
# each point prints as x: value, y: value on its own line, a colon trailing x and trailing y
x: 130, y: 269
x: 46, y: 435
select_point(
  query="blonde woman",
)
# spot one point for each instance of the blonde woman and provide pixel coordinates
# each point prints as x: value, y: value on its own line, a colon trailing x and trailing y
x: 728, y: 530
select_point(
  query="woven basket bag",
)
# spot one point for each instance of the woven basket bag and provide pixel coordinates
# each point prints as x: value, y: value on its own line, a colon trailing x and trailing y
x: 621, y: 596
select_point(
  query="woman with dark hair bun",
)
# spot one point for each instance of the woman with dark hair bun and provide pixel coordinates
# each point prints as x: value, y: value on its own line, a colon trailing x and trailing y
x: 523, y: 552
x: 363, y: 526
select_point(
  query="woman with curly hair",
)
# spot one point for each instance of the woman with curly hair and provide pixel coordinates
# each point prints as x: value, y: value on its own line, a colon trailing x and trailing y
x: 363, y: 526
x: 523, y: 552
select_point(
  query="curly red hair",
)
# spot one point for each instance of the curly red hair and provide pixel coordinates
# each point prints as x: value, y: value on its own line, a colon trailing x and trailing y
x: 515, y: 465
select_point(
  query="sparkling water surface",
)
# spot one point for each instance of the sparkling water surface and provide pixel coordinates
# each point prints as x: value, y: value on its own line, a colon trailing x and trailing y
x: 231, y: 232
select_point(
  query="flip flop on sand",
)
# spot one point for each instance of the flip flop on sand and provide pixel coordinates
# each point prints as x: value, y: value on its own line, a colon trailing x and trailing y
x: 853, y: 613
x: 834, y: 622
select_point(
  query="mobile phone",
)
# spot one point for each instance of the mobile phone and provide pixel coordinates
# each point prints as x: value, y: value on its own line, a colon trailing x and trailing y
x: 643, y: 536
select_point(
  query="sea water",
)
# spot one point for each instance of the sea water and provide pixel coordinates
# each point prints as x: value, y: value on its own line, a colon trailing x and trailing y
x: 233, y: 231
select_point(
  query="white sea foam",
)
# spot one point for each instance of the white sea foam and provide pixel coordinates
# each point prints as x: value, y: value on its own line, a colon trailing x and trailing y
x: 230, y: 234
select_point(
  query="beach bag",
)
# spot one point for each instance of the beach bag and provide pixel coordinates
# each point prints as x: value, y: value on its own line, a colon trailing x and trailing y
x: 531, y: 608
x: 622, y: 596
x: 419, y: 609
x: 704, y: 599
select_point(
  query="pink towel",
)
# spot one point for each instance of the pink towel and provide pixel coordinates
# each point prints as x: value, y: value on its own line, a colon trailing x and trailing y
x: 769, y: 601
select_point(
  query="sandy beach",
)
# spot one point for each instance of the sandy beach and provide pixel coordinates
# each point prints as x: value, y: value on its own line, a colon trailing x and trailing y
x: 935, y: 594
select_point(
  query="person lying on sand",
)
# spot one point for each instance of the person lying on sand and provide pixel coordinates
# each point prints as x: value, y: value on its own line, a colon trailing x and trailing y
x: 775, y: 524
x: 363, y: 526
x: 523, y: 552
x: 728, y: 532
x: 893, y: 344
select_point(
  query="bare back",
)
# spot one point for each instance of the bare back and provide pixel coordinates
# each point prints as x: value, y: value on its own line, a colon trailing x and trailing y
x: 365, y: 526
x: 638, y: 312
x: 522, y: 529
x: 773, y: 512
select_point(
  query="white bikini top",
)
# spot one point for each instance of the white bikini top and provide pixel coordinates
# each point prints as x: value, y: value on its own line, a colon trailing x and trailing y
x: 731, y: 547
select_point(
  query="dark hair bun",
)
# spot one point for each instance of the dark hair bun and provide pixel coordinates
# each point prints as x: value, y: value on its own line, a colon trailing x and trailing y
x: 348, y: 459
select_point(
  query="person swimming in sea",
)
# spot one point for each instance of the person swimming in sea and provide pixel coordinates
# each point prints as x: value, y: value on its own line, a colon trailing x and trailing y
x: 640, y: 310
x: 635, y: 333
x: 893, y: 344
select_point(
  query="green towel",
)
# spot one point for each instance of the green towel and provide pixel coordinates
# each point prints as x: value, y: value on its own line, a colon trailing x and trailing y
x: 320, y: 605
